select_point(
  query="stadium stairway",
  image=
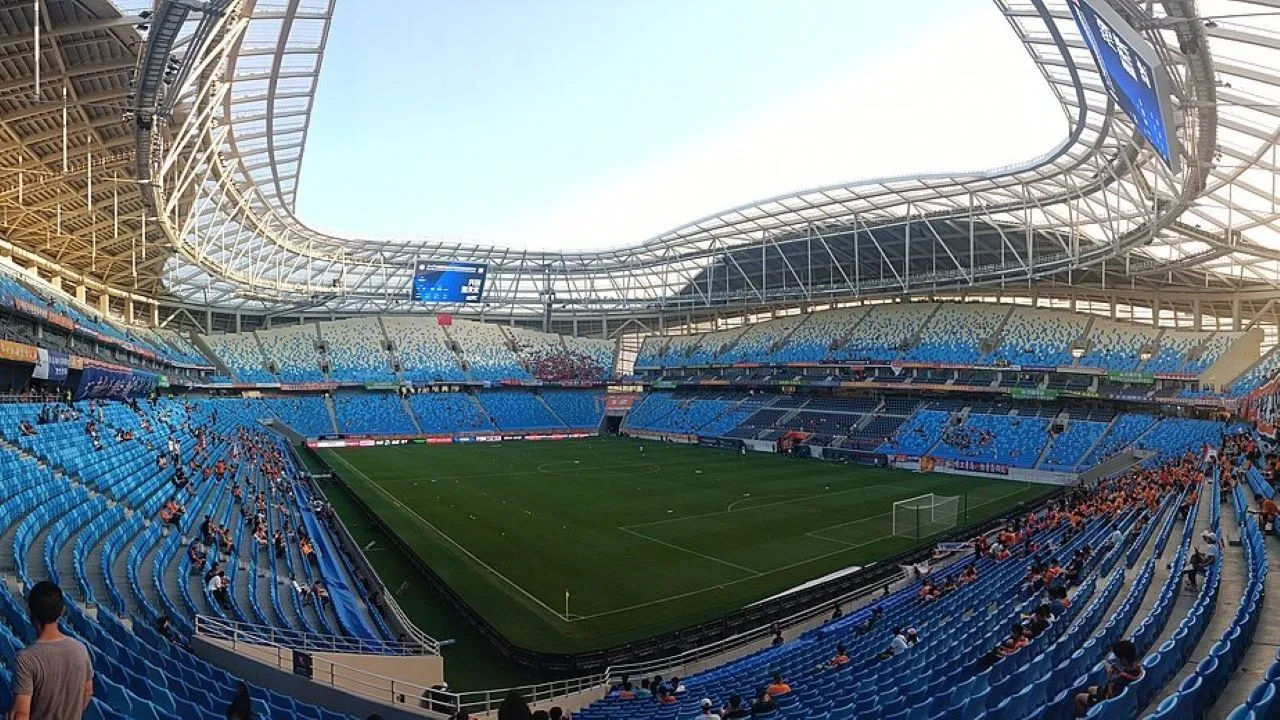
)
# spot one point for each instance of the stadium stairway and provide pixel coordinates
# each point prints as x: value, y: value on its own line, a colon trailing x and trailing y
x: 1256, y: 681
x: 550, y: 410
x: 393, y: 352
x: 333, y: 413
x: 408, y: 410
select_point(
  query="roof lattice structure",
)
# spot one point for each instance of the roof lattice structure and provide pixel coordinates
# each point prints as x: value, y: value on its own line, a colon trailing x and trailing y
x: 216, y: 153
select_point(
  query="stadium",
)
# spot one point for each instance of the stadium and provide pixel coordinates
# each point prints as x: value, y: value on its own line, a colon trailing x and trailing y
x: 991, y: 444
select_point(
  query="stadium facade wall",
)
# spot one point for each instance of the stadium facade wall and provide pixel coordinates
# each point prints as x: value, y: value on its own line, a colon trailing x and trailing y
x: 1237, y: 359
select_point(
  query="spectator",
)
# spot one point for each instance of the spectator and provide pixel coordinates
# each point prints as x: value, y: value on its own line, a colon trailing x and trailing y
x: 778, y: 686
x: 665, y: 696
x: 708, y: 711
x: 644, y: 691
x: 764, y: 705
x: 1123, y: 668
x: 322, y: 594
x: 1268, y: 512
x: 734, y: 710
x: 162, y: 627
x: 900, y: 642
x: 558, y: 713
x: 1058, y: 601
x: 1017, y: 640
x: 240, y: 707
x: 624, y: 692
x: 1040, y: 620
x: 304, y: 592
x: 540, y: 715
x: 515, y: 708
x: 53, y: 677
x: 869, y: 623
x: 840, y: 658
x: 218, y: 588
x: 1198, y: 564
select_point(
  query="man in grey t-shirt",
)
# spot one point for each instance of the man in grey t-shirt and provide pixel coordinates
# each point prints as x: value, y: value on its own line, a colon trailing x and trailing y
x: 54, y: 676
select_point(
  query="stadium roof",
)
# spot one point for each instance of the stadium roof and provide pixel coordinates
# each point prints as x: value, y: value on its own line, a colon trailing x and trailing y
x: 220, y: 161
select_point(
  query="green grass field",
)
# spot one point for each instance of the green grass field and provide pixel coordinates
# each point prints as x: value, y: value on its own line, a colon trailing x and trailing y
x: 644, y: 542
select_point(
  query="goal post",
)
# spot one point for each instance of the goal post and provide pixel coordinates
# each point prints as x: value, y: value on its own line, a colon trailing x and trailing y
x: 924, y: 515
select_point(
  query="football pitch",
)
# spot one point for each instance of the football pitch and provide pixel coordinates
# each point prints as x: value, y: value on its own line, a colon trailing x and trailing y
x: 643, y: 542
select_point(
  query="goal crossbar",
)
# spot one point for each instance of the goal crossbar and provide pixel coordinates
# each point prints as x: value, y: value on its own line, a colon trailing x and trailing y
x: 924, y: 515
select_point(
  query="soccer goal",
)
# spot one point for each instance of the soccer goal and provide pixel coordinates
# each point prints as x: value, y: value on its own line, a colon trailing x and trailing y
x: 925, y: 515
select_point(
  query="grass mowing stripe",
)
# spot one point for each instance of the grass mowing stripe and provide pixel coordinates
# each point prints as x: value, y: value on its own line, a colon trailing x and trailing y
x: 545, y: 517
x: 448, y: 539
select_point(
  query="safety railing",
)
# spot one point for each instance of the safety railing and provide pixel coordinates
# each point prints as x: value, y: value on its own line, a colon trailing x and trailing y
x: 486, y: 700
x: 238, y: 632
x: 273, y: 646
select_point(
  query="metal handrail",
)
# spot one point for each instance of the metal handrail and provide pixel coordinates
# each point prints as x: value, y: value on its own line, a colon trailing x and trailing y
x: 337, y: 675
x: 485, y: 700
x: 307, y: 641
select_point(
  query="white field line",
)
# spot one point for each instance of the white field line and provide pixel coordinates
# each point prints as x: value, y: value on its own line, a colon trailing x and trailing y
x: 450, y: 540
x: 574, y: 617
x: 713, y: 513
x: 721, y: 586
x: 673, y: 546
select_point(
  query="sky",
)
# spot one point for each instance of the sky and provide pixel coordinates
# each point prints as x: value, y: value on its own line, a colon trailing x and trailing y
x: 585, y: 124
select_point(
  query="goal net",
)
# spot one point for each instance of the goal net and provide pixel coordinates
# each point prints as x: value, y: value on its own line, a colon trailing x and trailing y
x: 925, y: 515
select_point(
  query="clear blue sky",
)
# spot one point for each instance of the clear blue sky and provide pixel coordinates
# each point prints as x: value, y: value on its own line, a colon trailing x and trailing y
x: 474, y: 119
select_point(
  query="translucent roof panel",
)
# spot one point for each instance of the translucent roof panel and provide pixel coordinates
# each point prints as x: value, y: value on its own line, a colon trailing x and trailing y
x: 1098, y: 201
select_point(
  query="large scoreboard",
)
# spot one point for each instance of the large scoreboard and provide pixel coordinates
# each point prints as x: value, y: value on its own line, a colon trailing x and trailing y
x: 1134, y: 76
x: 449, y: 282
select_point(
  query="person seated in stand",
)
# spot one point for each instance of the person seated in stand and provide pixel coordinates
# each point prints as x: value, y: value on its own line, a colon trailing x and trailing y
x: 1268, y: 511
x: 869, y: 623
x: 839, y: 659
x: 163, y: 627
x: 733, y: 710
x: 1197, y: 564
x: 764, y: 704
x: 778, y: 686
x: 707, y: 711
x: 304, y: 592
x: 196, y: 553
x: 1123, y: 669
x: 928, y: 592
x: 898, y: 644
x: 27, y: 428
x: 218, y: 586
x: 1039, y: 621
x: 625, y: 692
x: 1017, y: 640
x: 1058, y: 601
x: 643, y: 691
x: 970, y: 575
x: 322, y: 594
x: 666, y: 697
x: 308, y: 551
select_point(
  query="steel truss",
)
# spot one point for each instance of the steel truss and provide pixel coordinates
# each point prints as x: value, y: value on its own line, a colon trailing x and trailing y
x: 217, y: 152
